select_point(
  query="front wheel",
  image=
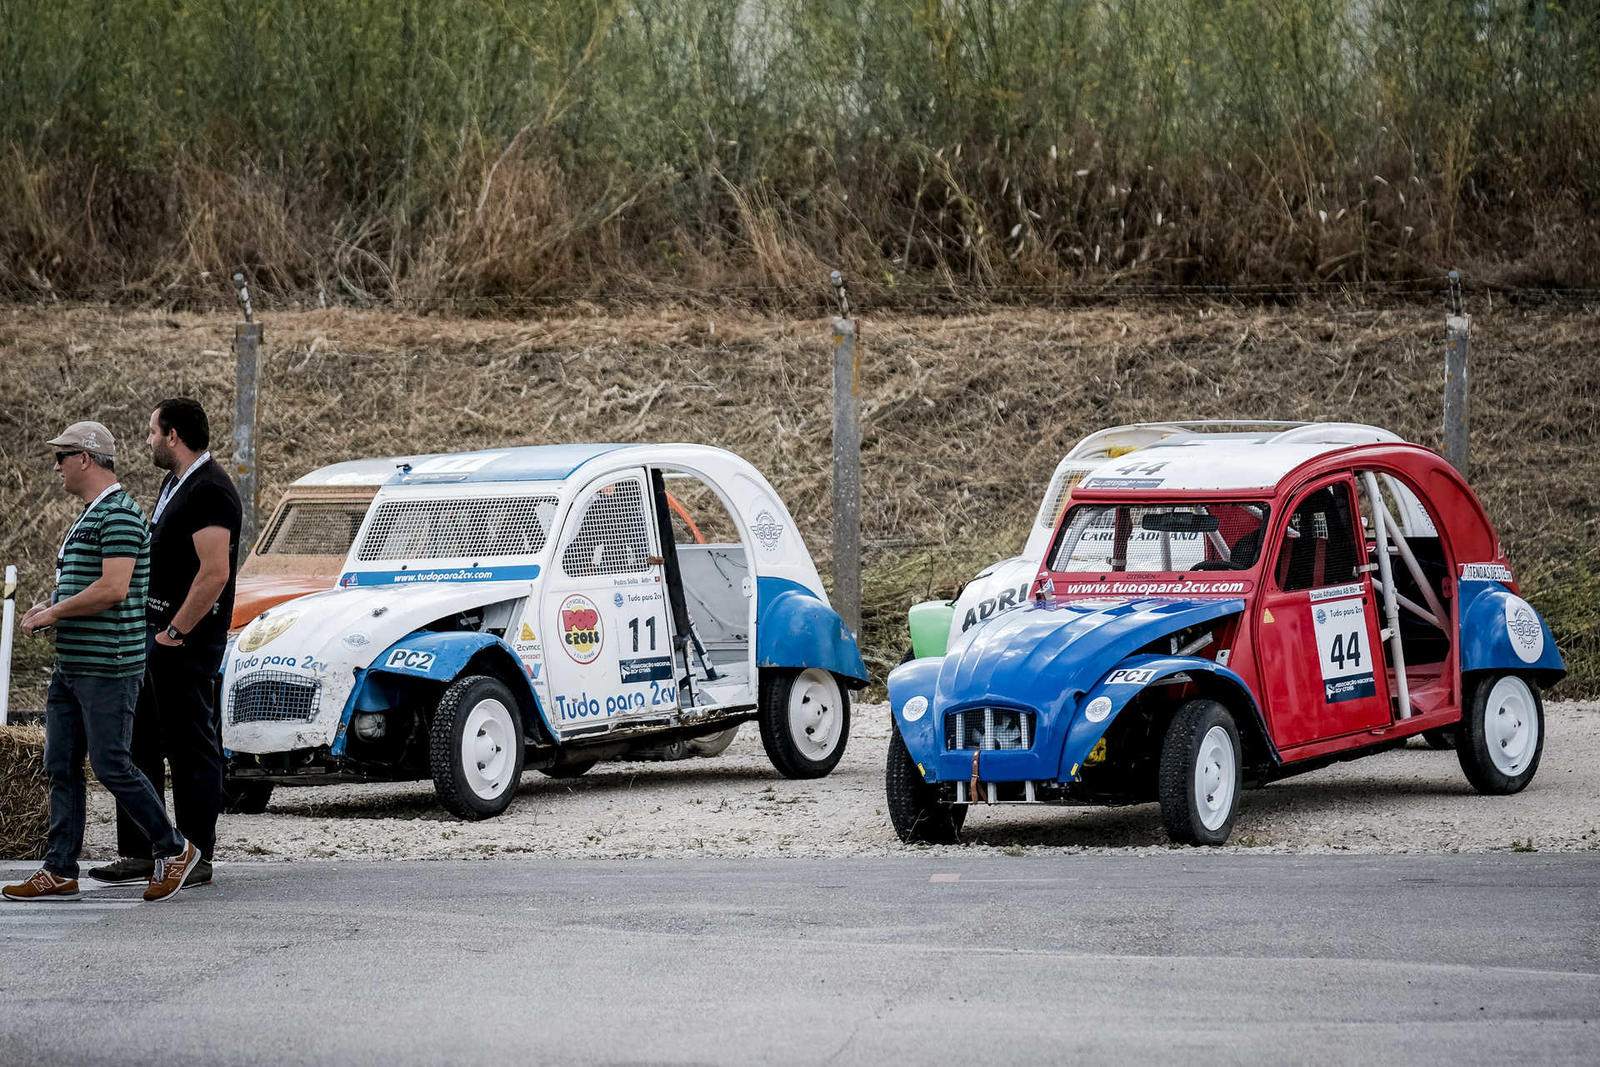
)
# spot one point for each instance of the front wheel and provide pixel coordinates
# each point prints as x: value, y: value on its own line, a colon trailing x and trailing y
x: 915, y: 809
x: 1501, y: 735
x: 805, y: 721
x: 475, y: 747
x: 1200, y: 774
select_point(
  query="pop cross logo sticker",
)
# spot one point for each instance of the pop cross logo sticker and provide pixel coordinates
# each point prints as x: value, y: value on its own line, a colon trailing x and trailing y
x: 581, y: 633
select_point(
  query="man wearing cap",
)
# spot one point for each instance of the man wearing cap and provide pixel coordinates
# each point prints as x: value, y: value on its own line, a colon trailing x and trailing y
x: 102, y: 573
x: 193, y: 568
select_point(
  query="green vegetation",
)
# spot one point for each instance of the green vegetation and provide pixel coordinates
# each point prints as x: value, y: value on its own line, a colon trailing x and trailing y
x: 436, y: 148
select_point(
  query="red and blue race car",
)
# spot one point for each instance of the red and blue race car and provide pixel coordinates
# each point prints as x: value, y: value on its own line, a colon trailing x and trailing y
x: 1216, y: 615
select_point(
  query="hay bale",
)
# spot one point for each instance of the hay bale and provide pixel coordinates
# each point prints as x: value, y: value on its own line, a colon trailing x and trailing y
x: 24, y: 793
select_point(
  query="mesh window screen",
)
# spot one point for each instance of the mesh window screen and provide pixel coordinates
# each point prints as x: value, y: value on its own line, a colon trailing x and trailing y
x: 1161, y: 537
x: 611, y: 537
x: 1319, y: 548
x: 458, y: 528
x: 315, y: 529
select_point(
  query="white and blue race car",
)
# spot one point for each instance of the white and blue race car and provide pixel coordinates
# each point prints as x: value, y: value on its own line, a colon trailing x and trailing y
x: 547, y: 608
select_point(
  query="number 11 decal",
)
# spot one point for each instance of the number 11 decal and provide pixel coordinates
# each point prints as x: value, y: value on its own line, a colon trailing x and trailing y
x: 650, y: 624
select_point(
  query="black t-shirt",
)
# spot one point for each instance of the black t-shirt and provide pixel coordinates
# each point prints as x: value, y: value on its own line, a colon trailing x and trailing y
x: 206, y: 498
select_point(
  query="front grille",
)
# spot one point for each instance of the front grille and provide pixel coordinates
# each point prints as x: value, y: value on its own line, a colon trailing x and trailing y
x: 991, y: 729
x: 274, y: 696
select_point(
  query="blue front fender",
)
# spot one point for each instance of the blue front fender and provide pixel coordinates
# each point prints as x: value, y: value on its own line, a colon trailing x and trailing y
x: 795, y: 630
x: 438, y: 657
x: 917, y: 725
x: 1104, y: 702
x: 1502, y: 632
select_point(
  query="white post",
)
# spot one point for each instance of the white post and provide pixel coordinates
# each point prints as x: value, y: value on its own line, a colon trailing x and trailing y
x: 7, y: 622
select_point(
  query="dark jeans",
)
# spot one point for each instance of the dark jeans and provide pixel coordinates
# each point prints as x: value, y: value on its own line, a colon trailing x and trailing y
x: 175, y: 722
x: 95, y: 714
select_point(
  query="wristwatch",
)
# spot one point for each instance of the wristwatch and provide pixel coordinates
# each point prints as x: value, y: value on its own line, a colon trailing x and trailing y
x: 175, y: 634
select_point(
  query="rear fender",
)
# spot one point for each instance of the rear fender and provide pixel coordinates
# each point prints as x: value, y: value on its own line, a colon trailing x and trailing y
x: 1502, y: 632
x: 796, y: 630
x: 1134, y: 675
x: 929, y: 623
x: 442, y: 657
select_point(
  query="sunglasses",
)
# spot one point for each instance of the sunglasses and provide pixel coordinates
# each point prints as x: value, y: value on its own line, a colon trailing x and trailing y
x: 62, y: 457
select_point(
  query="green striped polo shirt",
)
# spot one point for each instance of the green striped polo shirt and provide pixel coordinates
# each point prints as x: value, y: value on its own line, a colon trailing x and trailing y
x: 112, y: 643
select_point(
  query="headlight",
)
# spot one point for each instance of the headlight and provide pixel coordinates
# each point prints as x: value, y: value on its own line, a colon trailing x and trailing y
x: 265, y: 628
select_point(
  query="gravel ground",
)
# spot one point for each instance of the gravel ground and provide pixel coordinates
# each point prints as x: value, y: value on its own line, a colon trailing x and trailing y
x: 1411, y: 800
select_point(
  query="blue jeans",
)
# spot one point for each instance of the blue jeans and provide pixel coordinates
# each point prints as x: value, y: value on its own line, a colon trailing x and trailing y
x: 85, y: 713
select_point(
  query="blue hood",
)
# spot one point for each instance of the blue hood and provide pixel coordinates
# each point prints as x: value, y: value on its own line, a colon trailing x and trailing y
x: 1043, y: 657
x: 1046, y: 656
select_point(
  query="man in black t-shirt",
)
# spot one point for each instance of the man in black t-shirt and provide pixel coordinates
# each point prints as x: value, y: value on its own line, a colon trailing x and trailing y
x: 193, y: 567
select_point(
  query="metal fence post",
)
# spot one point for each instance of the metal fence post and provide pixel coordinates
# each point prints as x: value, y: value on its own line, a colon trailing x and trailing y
x: 246, y: 346
x: 8, y: 617
x: 846, y: 464
x: 1457, y: 387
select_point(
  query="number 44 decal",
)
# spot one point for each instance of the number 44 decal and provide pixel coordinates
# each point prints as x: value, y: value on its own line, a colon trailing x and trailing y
x: 1346, y: 649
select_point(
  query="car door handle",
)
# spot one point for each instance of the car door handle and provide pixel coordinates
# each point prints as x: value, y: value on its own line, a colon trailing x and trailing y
x: 655, y: 561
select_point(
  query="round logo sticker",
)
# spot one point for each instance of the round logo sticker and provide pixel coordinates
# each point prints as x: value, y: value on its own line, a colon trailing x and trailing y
x: 581, y: 633
x: 1098, y: 709
x: 915, y: 709
x: 1522, y: 626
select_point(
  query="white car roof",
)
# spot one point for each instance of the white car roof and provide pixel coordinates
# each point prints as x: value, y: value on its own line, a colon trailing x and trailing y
x: 358, y: 472
x: 1211, y: 465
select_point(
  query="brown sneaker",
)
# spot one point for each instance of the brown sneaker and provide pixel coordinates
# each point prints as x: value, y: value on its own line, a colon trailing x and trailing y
x: 170, y: 873
x: 43, y: 886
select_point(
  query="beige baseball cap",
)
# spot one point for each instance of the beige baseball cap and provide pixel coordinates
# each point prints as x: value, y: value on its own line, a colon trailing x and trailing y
x: 89, y: 436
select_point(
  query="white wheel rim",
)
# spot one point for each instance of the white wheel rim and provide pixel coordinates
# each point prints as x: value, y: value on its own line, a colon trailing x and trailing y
x: 1511, y: 726
x: 1213, y: 778
x: 816, y: 714
x: 487, y: 754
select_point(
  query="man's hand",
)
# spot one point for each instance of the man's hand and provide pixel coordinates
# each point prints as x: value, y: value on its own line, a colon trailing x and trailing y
x: 165, y: 641
x: 38, y: 617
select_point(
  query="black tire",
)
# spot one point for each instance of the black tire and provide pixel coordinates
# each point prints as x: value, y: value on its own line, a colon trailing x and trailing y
x: 452, y: 779
x: 245, y: 797
x: 1187, y: 753
x: 1439, y: 740
x: 777, y: 729
x: 569, y: 770
x: 915, y: 810
x: 1493, y: 742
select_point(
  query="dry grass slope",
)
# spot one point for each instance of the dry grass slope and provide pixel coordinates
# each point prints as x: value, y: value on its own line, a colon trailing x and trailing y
x: 964, y: 417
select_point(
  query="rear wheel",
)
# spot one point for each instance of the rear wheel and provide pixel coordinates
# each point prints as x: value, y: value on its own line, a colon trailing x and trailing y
x: 714, y: 745
x: 475, y: 747
x: 805, y: 721
x: 1200, y: 775
x: 1501, y: 736
x: 915, y: 809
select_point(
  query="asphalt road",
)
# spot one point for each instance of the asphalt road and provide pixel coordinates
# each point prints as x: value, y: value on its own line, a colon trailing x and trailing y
x: 1444, y: 959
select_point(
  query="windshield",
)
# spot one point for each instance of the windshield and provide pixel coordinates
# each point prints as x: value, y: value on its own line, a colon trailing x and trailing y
x: 313, y: 528
x: 1142, y: 538
x: 457, y: 528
